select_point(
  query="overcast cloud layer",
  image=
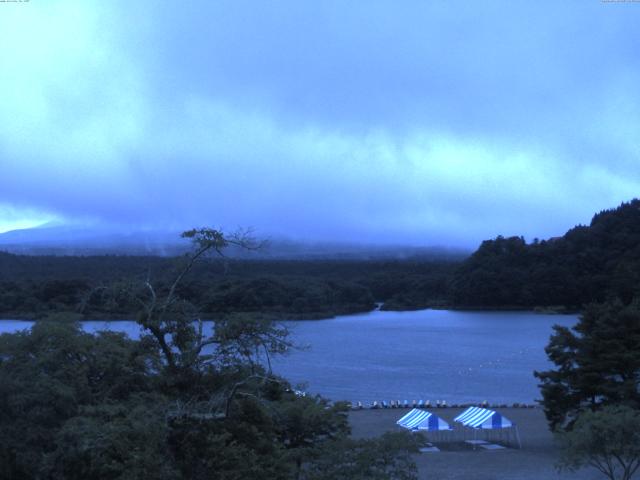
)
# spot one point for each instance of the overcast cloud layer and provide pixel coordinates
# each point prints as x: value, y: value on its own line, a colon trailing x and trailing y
x: 433, y: 123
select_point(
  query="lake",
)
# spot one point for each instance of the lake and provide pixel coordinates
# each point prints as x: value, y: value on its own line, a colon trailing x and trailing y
x: 457, y: 356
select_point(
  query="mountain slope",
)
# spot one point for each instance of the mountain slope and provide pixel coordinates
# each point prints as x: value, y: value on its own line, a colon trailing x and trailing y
x: 100, y: 240
x: 588, y: 264
x: 90, y: 240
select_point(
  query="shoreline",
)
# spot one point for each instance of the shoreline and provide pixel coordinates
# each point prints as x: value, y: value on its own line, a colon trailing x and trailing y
x: 304, y: 317
x: 435, y: 407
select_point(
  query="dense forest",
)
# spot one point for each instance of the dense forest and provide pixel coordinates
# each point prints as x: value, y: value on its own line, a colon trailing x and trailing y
x: 588, y: 264
x: 177, y: 403
x: 102, y: 286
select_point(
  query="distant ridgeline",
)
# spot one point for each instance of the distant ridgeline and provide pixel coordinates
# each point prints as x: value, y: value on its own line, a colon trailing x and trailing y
x: 588, y: 264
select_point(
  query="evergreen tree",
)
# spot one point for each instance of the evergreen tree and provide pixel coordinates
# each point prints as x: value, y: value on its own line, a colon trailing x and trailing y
x: 597, y: 363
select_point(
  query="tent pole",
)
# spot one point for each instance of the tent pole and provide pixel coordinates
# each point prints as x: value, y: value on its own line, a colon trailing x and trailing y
x: 518, y: 437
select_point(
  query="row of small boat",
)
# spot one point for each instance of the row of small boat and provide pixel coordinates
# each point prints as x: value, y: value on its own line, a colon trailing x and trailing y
x: 405, y: 404
x: 427, y: 404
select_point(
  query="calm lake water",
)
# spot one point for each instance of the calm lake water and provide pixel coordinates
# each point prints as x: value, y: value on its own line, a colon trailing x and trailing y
x: 428, y: 354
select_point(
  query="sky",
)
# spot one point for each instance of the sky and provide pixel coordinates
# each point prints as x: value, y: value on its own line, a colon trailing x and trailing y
x: 392, y: 122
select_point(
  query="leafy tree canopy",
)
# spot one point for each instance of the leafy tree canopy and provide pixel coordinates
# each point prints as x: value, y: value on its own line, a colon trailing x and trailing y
x: 588, y: 264
x: 597, y: 363
x: 180, y: 403
x: 608, y: 440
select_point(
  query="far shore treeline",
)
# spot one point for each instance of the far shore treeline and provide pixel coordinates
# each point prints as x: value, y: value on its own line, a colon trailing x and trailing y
x: 588, y: 264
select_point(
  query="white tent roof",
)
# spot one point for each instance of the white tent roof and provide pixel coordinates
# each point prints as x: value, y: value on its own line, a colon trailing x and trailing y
x: 422, y: 420
x: 478, y: 417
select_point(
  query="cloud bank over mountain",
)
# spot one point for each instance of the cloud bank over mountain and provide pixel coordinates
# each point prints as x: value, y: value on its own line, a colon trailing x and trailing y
x: 444, y: 123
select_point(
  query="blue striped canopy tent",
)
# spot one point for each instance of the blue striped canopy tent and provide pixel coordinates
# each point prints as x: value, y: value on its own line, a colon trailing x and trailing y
x: 485, y: 419
x: 423, y: 420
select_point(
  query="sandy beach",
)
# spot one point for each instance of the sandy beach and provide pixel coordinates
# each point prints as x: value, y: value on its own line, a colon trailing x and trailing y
x: 456, y: 460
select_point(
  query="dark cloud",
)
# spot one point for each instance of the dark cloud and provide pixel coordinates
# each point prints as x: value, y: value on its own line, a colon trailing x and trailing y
x: 414, y: 122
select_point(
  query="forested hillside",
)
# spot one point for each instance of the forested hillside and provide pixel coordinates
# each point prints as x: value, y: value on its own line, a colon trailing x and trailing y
x: 588, y: 264
x: 104, y: 286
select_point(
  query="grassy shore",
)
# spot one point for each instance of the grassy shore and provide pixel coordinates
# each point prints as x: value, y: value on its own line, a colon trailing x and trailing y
x: 535, y: 461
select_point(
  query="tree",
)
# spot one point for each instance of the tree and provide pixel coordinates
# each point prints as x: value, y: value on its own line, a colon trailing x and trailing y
x: 124, y: 441
x: 588, y: 264
x: 597, y: 364
x: 169, y: 319
x: 608, y: 440
x: 50, y: 375
x: 195, y: 360
x: 180, y: 403
x: 306, y: 424
x: 244, y: 446
x: 383, y: 458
